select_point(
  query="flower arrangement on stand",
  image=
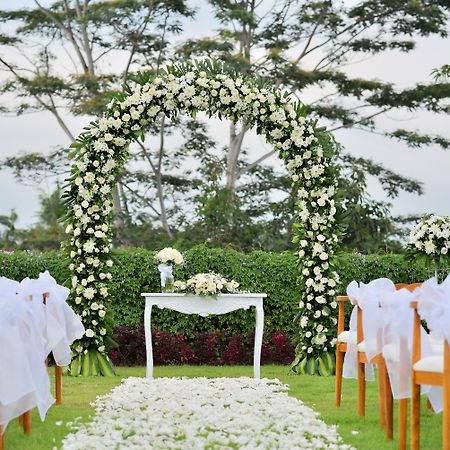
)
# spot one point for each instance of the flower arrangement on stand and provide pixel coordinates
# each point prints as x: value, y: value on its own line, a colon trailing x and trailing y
x: 167, y: 257
x: 208, y: 284
x: 429, y: 242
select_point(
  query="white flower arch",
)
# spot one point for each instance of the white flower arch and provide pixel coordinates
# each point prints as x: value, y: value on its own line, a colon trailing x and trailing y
x: 101, y: 150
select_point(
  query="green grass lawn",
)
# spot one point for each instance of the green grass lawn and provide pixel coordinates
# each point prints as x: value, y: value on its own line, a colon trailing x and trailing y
x: 317, y: 392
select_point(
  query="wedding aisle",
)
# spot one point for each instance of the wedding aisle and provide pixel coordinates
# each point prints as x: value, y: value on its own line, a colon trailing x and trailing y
x: 194, y: 413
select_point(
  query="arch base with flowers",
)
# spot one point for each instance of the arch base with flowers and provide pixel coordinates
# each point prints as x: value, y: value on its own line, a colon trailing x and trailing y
x: 101, y: 150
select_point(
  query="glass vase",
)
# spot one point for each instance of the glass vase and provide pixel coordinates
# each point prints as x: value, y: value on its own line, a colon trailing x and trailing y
x: 439, y: 271
x: 169, y: 287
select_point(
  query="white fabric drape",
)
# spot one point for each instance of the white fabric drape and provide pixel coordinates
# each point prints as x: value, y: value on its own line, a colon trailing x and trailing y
x: 397, y: 340
x: 25, y: 383
x: 368, y: 297
x: 29, y: 331
x: 434, y: 307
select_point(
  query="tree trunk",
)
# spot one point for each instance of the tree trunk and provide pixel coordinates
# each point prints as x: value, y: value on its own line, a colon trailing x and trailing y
x: 119, y: 220
x: 159, y: 184
x: 235, y: 146
x: 234, y: 150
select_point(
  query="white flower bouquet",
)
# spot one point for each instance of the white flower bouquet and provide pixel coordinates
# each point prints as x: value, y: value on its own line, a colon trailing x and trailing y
x: 168, y: 256
x: 429, y: 241
x: 207, y: 284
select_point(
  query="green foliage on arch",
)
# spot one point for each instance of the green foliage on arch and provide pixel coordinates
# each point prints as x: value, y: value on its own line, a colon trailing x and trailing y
x: 101, y: 150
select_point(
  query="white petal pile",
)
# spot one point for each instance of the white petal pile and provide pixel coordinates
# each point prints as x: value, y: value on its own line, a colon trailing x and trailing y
x: 200, y: 413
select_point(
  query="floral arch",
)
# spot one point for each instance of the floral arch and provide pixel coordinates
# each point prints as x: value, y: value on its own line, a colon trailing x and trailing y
x: 101, y: 150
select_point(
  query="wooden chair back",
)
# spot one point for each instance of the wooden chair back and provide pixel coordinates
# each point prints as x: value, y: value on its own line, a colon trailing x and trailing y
x: 424, y: 377
x: 341, y: 299
x: 341, y: 312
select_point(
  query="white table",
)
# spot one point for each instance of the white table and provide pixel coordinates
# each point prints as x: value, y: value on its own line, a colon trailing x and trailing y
x: 204, y: 306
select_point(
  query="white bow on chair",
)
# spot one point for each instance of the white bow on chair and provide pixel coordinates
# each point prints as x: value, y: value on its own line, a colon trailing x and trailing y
x: 367, y: 296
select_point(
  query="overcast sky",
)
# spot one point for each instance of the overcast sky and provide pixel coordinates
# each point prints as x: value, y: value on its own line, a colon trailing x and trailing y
x: 39, y: 132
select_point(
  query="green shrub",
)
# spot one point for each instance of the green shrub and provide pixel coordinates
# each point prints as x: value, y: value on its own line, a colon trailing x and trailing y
x: 135, y: 272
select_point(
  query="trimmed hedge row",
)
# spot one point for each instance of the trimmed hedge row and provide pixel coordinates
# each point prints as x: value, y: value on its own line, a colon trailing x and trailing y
x: 135, y: 271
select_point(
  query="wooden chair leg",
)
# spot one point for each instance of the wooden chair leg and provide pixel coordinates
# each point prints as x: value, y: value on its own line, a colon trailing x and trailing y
x: 2, y: 439
x: 402, y: 422
x: 339, y: 365
x: 382, y: 393
x: 27, y: 422
x: 58, y: 384
x: 388, y: 402
x: 361, y: 389
x: 389, y: 409
x: 415, y: 416
x: 446, y: 416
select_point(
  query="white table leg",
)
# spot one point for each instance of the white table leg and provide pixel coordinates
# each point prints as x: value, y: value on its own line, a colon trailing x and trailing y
x: 258, y: 341
x: 148, y: 338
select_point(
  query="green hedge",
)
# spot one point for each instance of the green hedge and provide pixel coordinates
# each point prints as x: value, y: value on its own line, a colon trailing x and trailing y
x: 135, y: 271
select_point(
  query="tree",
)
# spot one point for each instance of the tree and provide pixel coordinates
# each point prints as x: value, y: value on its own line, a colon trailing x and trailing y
x: 46, y: 234
x: 370, y: 225
x: 442, y: 74
x: 88, y: 36
x: 9, y: 233
x: 303, y: 46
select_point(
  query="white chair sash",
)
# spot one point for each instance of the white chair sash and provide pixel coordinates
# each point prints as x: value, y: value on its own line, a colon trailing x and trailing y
x: 26, y: 382
x: 367, y: 296
x: 29, y: 331
x: 397, y: 340
x: 434, y: 307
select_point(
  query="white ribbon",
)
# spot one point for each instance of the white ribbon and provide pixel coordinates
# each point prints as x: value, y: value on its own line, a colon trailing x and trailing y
x: 434, y: 307
x: 166, y: 273
x: 368, y: 297
x: 29, y: 331
x: 397, y: 340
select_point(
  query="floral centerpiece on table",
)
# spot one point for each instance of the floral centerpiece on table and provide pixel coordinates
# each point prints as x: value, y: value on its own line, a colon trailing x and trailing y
x: 207, y: 284
x: 429, y: 242
x: 168, y: 257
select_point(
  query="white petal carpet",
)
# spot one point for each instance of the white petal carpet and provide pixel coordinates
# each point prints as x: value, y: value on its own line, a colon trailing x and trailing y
x: 202, y: 413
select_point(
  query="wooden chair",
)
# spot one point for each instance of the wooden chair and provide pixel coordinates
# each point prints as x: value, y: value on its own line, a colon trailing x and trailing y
x: 389, y: 400
x: 384, y: 392
x: 341, y: 348
x: 434, y: 371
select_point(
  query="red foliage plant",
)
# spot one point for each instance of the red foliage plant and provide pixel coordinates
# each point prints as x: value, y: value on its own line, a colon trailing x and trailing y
x: 202, y: 348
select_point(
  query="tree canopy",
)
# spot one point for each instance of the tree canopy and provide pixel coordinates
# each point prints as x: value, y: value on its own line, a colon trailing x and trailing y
x: 68, y: 57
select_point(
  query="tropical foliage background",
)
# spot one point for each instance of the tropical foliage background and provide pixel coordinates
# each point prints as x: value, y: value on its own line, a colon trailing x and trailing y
x: 65, y: 58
